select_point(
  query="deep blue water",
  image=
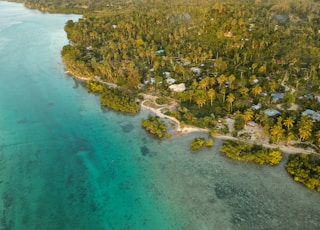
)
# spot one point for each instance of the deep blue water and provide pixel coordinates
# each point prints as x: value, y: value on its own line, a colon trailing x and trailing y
x: 66, y: 163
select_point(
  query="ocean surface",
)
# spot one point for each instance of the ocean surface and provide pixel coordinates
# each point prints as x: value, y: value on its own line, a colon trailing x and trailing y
x: 67, y: 163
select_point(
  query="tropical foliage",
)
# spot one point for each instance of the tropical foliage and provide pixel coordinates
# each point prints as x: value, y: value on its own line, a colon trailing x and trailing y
x: 154, y: 125
x: 251, y: 152
x: 119, y: 100
x: 230, y: 55
x: 305, y: 169
x: 200, y: 142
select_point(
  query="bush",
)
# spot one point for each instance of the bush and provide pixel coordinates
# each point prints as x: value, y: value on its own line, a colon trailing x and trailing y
x: 197, y: 143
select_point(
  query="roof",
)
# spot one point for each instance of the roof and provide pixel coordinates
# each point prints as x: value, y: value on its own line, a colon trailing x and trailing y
x: 170, y: 80
x: 277, y: 96
x: 271, y: 112
x: 160, y: 51
x: 311, y: 113
x: 178, y: 87
x: 256, y: 107
x: 252, y: 124
x: 196, y: 70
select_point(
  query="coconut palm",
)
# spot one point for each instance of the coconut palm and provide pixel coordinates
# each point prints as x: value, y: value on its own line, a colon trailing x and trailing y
x: 200, y: 98
x: 305, y: 128
x: 230, y: 99
x: 247, y: 115
x: 221, y: 79
x: 288, y: 123
x: 211, y: 94
x: 256, y: 90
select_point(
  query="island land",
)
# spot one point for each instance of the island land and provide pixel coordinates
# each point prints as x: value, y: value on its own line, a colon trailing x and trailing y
x: 246, y: 70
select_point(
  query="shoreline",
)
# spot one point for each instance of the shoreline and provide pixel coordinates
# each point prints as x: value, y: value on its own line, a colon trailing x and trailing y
x: 192, y: 129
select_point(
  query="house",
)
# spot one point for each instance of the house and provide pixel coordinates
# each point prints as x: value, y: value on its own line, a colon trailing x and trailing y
x: 255, y: 81
x: 308, y: 96
x: 160, y: 52
x: 271, y: 112
x: 170, y: 80
x: 312, y: 114
x: 196, y: 71
x: 256, y: 107
x: 252, y: 124
x: 277, y: 96
x: 178, y: 87
x: 166, y: 74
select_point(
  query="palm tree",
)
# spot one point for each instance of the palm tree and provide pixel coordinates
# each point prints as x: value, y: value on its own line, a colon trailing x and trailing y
x: 256, y: 90
x: 288, y: 123
x: 262, y: 118
x: 220, y: 64
x: 305, y: 128
x: 247, y: 115
x: 290, y: 136
x: 200, y: 98
x: 221, y: 79
x: 272, y: 86
x: 230, y: 100
x: 244, y: 91
x: 204, y: 83
x: 231, y: 79
x: 211, y: 94
x: 277, y: 132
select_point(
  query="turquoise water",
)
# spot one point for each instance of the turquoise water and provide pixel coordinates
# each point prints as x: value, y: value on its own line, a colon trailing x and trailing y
x: 66, y: 163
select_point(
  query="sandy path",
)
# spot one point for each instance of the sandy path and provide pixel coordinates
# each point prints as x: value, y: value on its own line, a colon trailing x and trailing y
x: 158, y: 112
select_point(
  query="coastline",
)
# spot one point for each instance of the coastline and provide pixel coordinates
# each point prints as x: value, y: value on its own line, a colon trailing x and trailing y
x: 192, y: 129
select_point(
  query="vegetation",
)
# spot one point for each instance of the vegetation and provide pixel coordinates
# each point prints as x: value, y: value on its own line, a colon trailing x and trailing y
x: 155, y: 125
x: 243, y: 151
x: 199, y: 142
x: 305, y: 169
x: 95, y: 87
x: 162, y: 100
x: 114, y: 98
x: 231, y: 55
x: 119, y: 100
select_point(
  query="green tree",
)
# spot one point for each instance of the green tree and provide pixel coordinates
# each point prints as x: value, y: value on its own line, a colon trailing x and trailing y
x: 211, y: 94
x: 305, y: 128
x: 288, y: 123
x: 230, y: 100
x: 200, y: 98
x: 221, y: 79
x: 247, y: 115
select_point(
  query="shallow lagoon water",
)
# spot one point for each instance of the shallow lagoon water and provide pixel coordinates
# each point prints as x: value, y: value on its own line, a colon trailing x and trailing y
x: 66, y: 163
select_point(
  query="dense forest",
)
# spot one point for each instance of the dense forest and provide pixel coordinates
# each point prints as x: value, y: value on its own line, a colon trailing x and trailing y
x: 253, y: 61
x: 230, y: 56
